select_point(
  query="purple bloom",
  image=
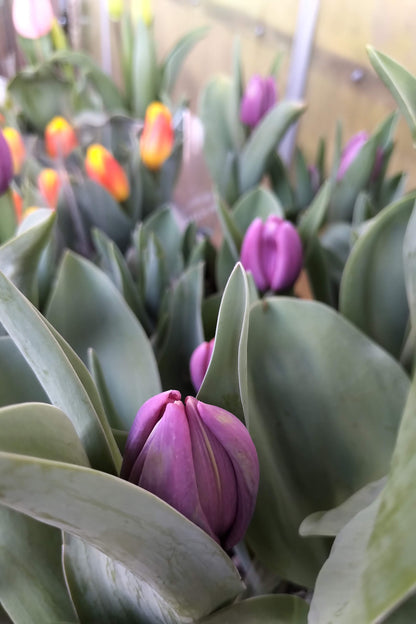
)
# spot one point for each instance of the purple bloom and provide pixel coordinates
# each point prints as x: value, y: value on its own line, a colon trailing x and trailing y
x: 350, y: 152
x: 6, y: 164
x: 199, y: 362
x: 259, y: 97
x: 272, y: 251
x: 198, y: 458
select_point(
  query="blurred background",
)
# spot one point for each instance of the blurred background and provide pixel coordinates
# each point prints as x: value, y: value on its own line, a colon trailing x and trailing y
x: 323, y: 46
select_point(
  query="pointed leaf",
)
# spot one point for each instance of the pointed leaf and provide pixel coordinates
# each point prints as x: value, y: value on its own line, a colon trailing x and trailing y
x: 176, y: 57
x: 145, y: 70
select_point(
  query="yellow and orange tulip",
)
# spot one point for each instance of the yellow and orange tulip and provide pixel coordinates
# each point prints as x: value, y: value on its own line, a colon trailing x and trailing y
x: 60, y: 137
x: 157, y: 139
x: 103, y: 168
x: 17, y: 147
x: 18, y: 205
x: 49, y: 184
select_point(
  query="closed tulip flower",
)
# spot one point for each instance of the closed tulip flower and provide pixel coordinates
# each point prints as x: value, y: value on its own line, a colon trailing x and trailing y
x: 6, y: 164
x: 156, y: 141
x: 199, y: 362
x: 102, y: 167
x: 32, y: 18
x: 17, y: 148
x: 18, y: 205
x: 49, y: 184
x: 259, y: 97
x: 60, y: 138
x: 198, y: 458
x: 350, y: 152
x: 272, y: 251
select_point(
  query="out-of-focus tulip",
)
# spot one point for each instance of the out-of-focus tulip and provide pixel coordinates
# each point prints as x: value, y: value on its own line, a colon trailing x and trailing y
x: 198, y: 458
x: 18, y: 205
x: 156, y: 141
x: 17, y: 147
x: 6, y: 164
x: 142, y: 10
x: 32, y: 18
x: 272, y: 251
x: 199, y: 362
x: 49, y: 184
x: 102, y: 167
x: 60, y: 138
x: 259, y: 97
x: 350, y: 152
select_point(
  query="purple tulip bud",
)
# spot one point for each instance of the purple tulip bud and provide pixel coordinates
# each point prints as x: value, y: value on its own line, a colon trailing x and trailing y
x: 199, y: 362
x: 198, y: 458
x: 350, y: 152
x: 6, y: 164
x: 272, y: 251
x: 259, y: 97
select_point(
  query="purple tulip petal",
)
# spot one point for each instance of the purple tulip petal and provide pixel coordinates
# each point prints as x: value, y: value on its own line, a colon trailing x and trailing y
x: 350, y: 152
x: 269, y: 94
x: 236, y: 441
x: 251, y: 103
x: 288, y: 261
x: 148, y: 415
x: 6, y: 164
x: 214, y: 471
x: 165, y: 466
x: 250, y: 253
x: 199, y: 362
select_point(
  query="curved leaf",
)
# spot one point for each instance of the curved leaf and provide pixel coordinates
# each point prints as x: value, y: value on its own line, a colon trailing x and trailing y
x: 129, y: 525
x: 145, y: 71
x: 271, y: 609
x: 99, y: 318
x: 324, y: 408
x: 373, y: 294
x: 174, y: 60
x: 18, y: 383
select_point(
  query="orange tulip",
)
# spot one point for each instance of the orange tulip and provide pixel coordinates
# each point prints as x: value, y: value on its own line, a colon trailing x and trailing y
x: 18, y: 205
x: 102, y: 167
x: 60, y: 137
x: 156, y: 141
x: 49, y: 184
x: 17, y: 147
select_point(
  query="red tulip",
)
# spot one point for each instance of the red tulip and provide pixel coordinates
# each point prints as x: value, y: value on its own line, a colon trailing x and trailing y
x: 103, y: 168
x: 60, y: 138
x: 157, y: 139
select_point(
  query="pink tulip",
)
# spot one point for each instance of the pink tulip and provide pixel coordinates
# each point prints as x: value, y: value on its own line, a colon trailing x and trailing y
x: 199, y: 362
x: 259, y: 97
x: 198, y: 458
x: 272, y: 251
x: 32, y: 18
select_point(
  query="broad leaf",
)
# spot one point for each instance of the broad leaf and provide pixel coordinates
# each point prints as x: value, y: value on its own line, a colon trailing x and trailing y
x: 122, y: 347
x: 316, y: 448
x: 130, y: 526
x: 18, y: 383
x: 271, y: 609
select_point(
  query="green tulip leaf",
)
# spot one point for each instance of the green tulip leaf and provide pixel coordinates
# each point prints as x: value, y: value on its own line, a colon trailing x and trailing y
x: 19, y: 257
x: 225, y: 382
x: 99, y: 318
x: 317, y: 444
x: 56, y: 374
x: 236, y: 128
x: 258, y: 202
x: 303, y: 188
x: 280, y: 183
x: 373, y: 293
x: 264, y: 140
x: 163, y: 224
x: 18, y: 383
x: 32, y: 585
x: 271, y: 609
x: 176, y: 57
x: 331, y: 522
x: 145, y: 76
x: 130, y: 526
x: 104, y: 591
x: 400, y: 83
x: 314, y: 216
x: 8, y: 220
x: 409, y: 264
x: 183, y: 332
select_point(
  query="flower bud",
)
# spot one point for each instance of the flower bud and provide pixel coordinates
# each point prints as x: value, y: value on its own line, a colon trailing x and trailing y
x: 156, y: 141
x: 49, y: 184
x: 350, y: 152
x: 198, y: 458
x: 32, y: 18
x: 60, y: 138
x: 18, y: 205
x: 6, y: 164
x: 272, y: 251
x: 199, y: 362
x: 17, y: 147
x: 259, y: 97
x: 102, y: 167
